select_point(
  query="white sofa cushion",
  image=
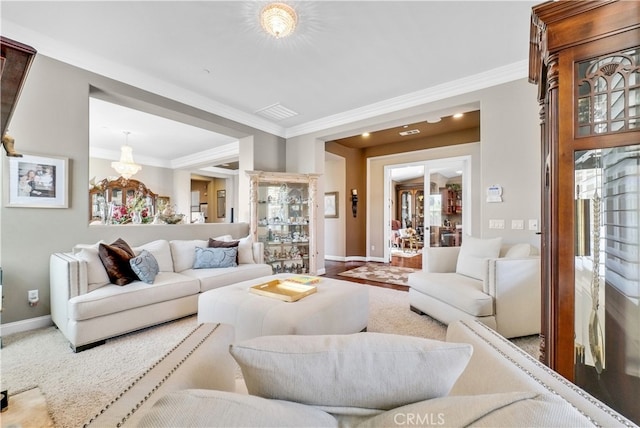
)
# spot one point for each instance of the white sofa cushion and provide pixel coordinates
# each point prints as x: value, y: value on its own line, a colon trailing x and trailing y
x: 161, y: 251
x: 513, y: 409
x: 96, y: 273
x: 459, y: 291
x: 183, y: 252
x: 221, y: 277
x: 473, y: 253
x: 204, y: 408
x: 245, y: 250
x: 362, y: 370
x: 112, y: 298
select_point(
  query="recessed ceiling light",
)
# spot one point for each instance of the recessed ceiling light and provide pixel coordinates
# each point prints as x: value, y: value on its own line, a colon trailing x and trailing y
x: 434, y: 119
x: 365, y: 134
x: 458, y: 115
x: 406, y: 126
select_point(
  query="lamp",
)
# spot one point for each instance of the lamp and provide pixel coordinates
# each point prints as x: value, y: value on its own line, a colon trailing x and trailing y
x: 278, y: 19
x: 126, y: 167
x: 354, y: 202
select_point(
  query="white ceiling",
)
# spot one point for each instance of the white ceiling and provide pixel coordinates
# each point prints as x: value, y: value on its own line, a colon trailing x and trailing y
x: 347, y: 60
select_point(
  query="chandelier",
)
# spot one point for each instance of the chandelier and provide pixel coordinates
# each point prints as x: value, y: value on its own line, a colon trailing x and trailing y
x: 278, y: 19
x: 126, y: 167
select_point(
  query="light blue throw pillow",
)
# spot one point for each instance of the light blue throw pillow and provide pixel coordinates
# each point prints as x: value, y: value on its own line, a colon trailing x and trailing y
x: 145, y: 266
x: 207, y: 258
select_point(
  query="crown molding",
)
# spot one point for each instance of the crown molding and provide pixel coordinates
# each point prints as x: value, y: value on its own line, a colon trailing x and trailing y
x: 208, y: 157
x: 476, y: 82
x: 95, y: 64
x: 88, y: 61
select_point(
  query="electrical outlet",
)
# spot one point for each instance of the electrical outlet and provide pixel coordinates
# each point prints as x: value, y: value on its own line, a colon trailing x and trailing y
x: 373, y: 248
x: 32, y: 295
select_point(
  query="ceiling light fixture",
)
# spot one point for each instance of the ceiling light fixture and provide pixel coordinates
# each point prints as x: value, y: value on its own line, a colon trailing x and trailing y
x: 278, y: 19
x: 365, y: 134
x: 126, y: 167
x: 458, y: 115
x: 434, y: 119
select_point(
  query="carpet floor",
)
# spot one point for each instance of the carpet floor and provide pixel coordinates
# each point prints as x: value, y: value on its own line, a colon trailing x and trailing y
x: 76, y: 386
x: 381, y: 273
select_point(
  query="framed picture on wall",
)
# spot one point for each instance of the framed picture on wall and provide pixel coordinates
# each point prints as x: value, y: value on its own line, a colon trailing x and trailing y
x: 331, y: 205
x: 38, y: 182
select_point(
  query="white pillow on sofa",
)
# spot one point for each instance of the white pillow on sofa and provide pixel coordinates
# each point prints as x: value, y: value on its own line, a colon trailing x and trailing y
x: 183, y: 252
x: 161, y: 252
x: 473, y: 253
x: 245, y: 250
x: 362, y: 370
x: 96, y: 273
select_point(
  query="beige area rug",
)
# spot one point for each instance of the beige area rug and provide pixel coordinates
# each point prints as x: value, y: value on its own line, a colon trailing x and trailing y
x: 77, y: 386
x: 381, y: 273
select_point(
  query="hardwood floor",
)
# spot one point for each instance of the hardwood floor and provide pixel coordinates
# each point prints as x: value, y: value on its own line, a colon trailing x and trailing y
x: 333, y: 269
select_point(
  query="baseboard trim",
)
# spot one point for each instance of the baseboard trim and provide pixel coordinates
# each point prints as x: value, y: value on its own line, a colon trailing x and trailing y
x: 25, y: 325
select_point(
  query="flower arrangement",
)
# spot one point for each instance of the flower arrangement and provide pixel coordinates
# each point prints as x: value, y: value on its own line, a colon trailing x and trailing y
x: 410, y: 231
x: 136, y: 206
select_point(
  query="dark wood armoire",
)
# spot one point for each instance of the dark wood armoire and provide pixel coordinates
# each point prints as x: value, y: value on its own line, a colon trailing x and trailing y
x: 585, y: 59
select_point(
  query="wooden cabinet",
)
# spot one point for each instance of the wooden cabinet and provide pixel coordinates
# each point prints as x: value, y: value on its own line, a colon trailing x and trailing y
x: 118, y: 192
x: 411, y: 206
x: 585, y: 59
x: 450, y: 201
x: 283, y: 218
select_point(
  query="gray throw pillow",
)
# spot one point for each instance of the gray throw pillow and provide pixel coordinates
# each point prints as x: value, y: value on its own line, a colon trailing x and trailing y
x: 208, y: 258
x: 145, y: 266
x: 363, y: 370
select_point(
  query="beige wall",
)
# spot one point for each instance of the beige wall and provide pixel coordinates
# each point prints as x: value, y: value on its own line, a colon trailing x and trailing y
x: 52, y: 118
x: 334, y: 228
x: 508, y: 154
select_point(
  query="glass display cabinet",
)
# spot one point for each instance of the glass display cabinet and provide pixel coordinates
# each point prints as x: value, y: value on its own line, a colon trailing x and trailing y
x: 283, y: 218
x: 589, y: 94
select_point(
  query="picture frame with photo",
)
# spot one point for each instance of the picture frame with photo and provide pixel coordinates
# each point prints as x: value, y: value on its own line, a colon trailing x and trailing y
x: 331, y: 205
x: 38, y: 181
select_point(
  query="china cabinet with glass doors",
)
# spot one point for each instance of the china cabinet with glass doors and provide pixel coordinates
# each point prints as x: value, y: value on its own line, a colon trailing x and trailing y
x: 283, y: 218
x: 585, y: 58
x: 411, y: 206
x: 117, y: 192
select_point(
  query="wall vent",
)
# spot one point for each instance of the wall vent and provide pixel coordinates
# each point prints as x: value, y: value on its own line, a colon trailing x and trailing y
x: 411, y: 132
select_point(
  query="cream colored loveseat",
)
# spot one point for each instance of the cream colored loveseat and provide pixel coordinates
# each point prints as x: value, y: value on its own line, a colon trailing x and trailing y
x: 484, y: 280
x: 88, y: 309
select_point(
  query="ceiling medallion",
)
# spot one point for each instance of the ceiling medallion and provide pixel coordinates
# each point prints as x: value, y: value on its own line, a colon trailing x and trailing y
x: 278, y: 19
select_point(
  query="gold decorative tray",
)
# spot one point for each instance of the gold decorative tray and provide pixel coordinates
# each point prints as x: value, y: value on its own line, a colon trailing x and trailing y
x: 282, y: 289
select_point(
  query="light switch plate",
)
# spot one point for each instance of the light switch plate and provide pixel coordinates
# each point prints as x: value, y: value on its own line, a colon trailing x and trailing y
x: 517, y: 224
x: 496, y: 224
x: 533, y: 224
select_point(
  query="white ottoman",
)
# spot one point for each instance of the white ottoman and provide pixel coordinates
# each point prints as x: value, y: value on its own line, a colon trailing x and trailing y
x: 338, y: 307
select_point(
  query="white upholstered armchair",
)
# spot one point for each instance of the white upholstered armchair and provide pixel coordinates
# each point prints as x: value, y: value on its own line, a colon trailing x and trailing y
x: 483, y: 280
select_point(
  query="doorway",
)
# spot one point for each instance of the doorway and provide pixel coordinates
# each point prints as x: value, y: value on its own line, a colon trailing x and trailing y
x: 426, y: 199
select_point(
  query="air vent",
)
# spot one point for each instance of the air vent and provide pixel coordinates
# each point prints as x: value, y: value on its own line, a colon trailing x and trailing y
x: 276, y: 112
x: 411, y: 132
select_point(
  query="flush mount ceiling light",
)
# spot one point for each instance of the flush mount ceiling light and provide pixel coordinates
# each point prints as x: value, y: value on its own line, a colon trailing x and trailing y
x: 126, y: 167
x: 278, y: 19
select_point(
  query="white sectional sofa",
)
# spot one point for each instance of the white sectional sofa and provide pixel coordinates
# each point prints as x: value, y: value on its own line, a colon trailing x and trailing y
x: 475, y: 378
x: 484, y: 280
x: 88, y: 308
